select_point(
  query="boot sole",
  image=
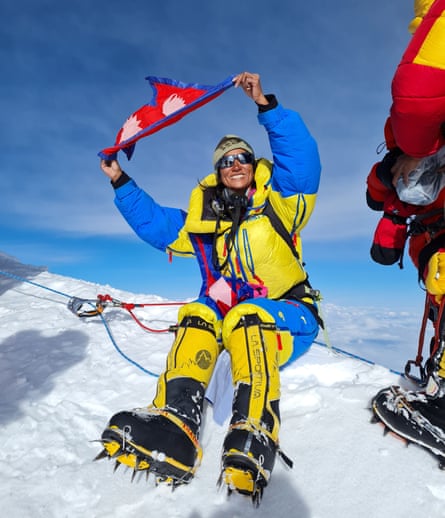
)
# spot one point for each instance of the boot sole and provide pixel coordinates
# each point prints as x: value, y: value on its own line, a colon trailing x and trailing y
x: 411, y: 430
x: 140, y: 459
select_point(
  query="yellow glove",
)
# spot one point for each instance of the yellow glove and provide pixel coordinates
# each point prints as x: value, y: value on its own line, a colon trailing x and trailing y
x: 435, y: 277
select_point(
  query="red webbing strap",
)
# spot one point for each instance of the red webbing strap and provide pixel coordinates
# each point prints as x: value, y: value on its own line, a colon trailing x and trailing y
x: 426, y: 312
x: 419, y: 358
x: 437, y: 327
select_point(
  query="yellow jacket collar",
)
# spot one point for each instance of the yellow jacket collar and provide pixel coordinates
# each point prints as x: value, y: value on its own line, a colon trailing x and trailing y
x: 197, y: 223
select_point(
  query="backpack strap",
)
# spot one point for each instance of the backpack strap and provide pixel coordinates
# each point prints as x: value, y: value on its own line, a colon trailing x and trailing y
x: 279, y: 227
x: 203, y: 246
x: 303, y: 290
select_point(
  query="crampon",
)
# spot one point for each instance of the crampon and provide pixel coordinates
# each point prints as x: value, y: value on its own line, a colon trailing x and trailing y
x: 245, y: 475
x: 398, y: 410
x: 247, y: 461
x: 153, y: 441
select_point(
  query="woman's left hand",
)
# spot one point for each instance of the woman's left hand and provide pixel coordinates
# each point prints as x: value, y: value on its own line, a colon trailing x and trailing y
x: 251, y: 85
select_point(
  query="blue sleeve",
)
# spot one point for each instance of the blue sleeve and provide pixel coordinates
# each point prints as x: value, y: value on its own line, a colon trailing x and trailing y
x: 296, y: 160
x: 157, y: 225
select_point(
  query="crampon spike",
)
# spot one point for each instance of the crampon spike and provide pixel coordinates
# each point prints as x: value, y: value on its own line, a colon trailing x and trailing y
x: 102, y: 455
x: 388, y: 431
x: 117, y: 453
x: 219, y: 481
x: 137, y: 463
x: 374, y: 419
x: 257, y: 495
x: 220, y: 485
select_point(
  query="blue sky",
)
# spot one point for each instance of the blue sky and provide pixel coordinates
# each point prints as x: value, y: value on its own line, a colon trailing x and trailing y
x: 72, y: 72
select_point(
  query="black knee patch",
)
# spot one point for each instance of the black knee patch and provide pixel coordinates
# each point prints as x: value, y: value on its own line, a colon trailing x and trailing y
x: 197, y: 323
x: 254, y: 320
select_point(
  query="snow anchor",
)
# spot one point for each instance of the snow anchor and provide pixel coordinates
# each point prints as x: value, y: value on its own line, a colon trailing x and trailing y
x: 77, y: 306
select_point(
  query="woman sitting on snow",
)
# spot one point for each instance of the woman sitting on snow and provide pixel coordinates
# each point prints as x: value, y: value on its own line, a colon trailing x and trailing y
x: 243, y: 226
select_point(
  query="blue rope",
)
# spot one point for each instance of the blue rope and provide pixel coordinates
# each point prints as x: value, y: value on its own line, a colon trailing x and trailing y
x: 356, y: 357
x: 105, y: 323
x: 22, y: 279
x: 113, y: 341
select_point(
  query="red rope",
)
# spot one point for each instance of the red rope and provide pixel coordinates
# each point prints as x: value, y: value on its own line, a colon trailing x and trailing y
x: 129, y: 306
x: 151, y: 330
x: 108, y: 298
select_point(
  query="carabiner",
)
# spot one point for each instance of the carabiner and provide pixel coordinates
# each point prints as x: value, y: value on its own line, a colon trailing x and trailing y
x: 422, y: 380
x: 75, y: 305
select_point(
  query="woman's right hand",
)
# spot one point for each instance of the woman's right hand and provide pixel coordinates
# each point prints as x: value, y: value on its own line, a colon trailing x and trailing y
x: 111, y: 168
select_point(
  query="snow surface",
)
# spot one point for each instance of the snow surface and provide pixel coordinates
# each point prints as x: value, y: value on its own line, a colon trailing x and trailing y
x: 61, y: 378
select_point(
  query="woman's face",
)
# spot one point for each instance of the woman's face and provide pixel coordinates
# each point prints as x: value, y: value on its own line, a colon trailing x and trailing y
x: 237, y: 177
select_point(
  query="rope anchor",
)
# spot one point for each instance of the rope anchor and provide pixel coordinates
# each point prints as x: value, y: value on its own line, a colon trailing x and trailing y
x: 77, y: 306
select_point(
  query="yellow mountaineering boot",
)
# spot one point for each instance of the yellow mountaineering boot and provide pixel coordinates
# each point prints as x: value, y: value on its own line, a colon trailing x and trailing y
x: 251, y: 443
x: 163, y: 438
x: 160, y: 440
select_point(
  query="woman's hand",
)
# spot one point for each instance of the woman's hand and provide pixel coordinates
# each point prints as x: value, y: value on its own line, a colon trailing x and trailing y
x: 111, y: 168
x: 251, y: 85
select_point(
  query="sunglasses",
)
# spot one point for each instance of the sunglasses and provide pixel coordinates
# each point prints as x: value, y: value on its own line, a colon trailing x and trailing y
x: 229, y: 160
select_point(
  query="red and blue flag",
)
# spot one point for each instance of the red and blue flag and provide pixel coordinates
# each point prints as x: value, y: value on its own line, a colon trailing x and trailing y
x: 171, y: 101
